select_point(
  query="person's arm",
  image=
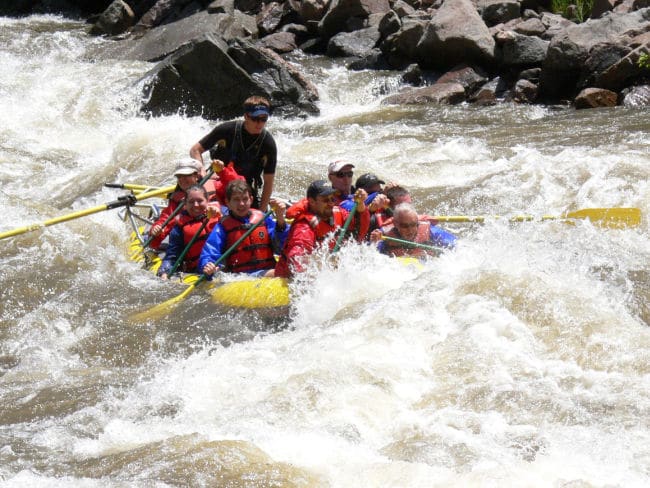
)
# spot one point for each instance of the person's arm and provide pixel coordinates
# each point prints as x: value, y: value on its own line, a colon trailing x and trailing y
x: 206, y: 142
x: 196, y: 152
x: 300, y: 246
x: 212, y: 250
x: 267, y: 190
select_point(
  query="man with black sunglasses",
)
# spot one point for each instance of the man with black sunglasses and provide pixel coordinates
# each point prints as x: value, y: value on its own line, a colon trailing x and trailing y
x: 340, y: 174
x: 248, y: 145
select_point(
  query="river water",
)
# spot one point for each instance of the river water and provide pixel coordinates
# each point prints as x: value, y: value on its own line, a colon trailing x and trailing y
x: 521, y: 358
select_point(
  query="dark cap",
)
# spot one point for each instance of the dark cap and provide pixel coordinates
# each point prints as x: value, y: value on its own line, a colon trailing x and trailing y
x: 319, y: 188
x: 367, y: 180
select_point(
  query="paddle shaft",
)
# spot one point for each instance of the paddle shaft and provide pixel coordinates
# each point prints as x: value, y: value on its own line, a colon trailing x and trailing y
x: 608, y: 217
x: 120, y: 202
x: 233, y: 248
x: 180, y: 258
x: 130, y: 186
x: 344, y: 229
x: 413, y: 244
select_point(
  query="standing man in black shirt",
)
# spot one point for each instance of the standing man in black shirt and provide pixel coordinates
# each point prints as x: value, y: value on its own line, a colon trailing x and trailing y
x: 248, y: 145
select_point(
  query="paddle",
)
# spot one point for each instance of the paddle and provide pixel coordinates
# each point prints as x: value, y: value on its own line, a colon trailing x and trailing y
x: 414, y: 244
x: 615, y: 218
x: 176, y: 211
x: 344, y: 229
x: 130, y: 186
x: 120, y: 202
x: 166, y: 307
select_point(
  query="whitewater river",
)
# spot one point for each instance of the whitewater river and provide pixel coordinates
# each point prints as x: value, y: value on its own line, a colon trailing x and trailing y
x: 521, y: 358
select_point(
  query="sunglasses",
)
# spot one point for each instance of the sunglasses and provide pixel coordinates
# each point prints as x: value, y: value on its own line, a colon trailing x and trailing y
x: 406, y: 225
x: 344, y: 174
x: 261, y: 118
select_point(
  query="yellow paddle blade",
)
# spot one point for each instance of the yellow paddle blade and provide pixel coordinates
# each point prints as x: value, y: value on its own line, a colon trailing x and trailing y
x: 613, y: 218
x: 162, y: 309
x: 255, y: 293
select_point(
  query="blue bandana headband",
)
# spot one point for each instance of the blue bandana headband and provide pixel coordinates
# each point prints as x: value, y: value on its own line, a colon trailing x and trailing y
x: 257, y: 110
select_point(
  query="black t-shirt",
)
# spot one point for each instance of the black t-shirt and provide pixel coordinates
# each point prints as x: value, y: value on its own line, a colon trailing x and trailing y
x: 253, y: 155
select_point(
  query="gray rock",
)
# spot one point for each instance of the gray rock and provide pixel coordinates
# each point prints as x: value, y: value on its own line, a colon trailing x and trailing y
x: 279, y: 42
x: 530, y: 27
x: 494, y: 12
x: 161, y: 41
x: 569, y: 50
x: 400, y: 48
x: 520, y: 50
x: 212, y: 78
x: 341, y: 14
x: 468, y: 77
x: 456, y: 34
x: 357, y: 44
x: 524, y: 91
x: 117, y: 18
x: 442, y: 93
x: 389, y: 24
x: 493, y: 91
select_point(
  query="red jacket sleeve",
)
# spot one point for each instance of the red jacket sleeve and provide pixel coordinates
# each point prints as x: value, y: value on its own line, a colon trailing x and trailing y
x: 300, y: 242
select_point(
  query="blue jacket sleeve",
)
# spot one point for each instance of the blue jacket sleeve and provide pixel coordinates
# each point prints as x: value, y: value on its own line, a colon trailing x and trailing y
x: 347, y: 203
x: 174, y: 249
x: 213, y: 247
x: 278, y: 238
x: 442, y: 238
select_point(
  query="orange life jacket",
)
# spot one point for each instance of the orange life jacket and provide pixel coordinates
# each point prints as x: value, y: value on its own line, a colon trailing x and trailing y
x: 398, y: 249
x: 190, y: 227
x: 253, y: 253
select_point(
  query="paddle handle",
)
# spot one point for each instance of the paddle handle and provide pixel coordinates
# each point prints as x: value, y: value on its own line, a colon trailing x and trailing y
x: 413, y: 244
x: 120, y: 202
x: 344, y: 229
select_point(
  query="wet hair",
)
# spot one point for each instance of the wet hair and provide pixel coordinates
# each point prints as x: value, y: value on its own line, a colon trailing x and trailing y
x: 403, y: 209
x: 197, y: 188
x: 256, y: 100
x: 237, y: 186
x: 395, y: 192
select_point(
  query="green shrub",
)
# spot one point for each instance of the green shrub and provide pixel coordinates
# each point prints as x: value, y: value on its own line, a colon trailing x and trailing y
x: 577, y: 10
x: 644, y: 61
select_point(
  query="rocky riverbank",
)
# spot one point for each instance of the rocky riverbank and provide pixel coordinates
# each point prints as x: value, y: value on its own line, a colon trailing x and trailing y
x: 210, y: 55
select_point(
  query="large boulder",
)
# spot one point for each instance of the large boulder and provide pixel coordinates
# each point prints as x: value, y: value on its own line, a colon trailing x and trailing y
x: 456, y: 34
x: 117, y: 18
x: 400, y: 48
x: 157, y: 43
x: 623, y: 68
x: 212, y: 77
x: 356, y: 44
x: 519, y: 50
x: 342, y: 15
x: 569, y: 50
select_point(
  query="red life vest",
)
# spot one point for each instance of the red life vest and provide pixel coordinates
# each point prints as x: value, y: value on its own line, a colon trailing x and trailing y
x: 253, y: 253
x: 325, y: 228
x: 190, y: 227
x: 398, y: 249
